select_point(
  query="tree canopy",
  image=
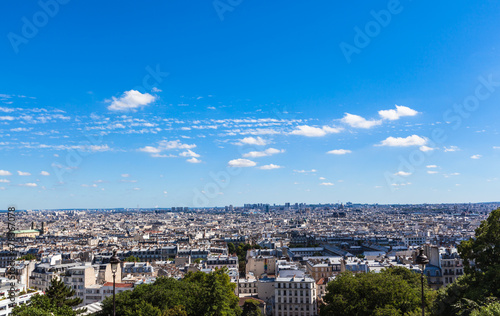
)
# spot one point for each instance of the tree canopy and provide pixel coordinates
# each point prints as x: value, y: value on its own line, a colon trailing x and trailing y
x: 198, y: 294
x: 251, y: 308
x: 58, y: 301
x: 393, y: 291
x: 480, y: 284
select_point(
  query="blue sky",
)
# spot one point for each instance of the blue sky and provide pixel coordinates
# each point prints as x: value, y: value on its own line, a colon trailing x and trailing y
x: 211, y: 103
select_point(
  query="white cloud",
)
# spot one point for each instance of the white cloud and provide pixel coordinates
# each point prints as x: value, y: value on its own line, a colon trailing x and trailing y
x: 270, y: 167
x: 21, y: 173
x: 130, y: 101
x: 265, y: 153
x: 165, y: 145
x: 150, y: 149
x: 311, y: 131
x: 413, y: 140
x: 6, y: 118
x: 21, y: 129
x: 432, y: 166
x: 5, y: 173
x: 402, y: 173
x: 155, y: 89
x: 100, y: 148
x: 339, y: 152
x: 476, y: 156
x: 326, y: 183
x: 125, y: 175
x: 357, y: 121
x: 431, y: 172
x: 193, y: 160
x: 29, y: 185
x: 4, y: 181
x: 426, y: 148
x: 242, y: 163
x: 496, y: 147
x: 44, y: 173
x: 451, y: 149
x: 258, y: 141
x: 305, y: 171
x: 399, y: 112
x: 322, y: 178
x: 189, y: 153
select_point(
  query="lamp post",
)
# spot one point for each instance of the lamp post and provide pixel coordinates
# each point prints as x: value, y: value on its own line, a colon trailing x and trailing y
x: 114, y: 261
x: 422, y: 260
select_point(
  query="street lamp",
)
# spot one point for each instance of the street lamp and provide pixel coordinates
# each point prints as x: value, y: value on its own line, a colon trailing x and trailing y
x: 114, y: 261
x: 422, y: 260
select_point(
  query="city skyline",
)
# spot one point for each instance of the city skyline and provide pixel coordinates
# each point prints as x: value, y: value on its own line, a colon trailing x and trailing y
x: 198, y: 106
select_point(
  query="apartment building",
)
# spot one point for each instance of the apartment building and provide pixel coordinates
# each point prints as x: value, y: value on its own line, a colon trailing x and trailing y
x: 295, y: 294
x: 323, y: 267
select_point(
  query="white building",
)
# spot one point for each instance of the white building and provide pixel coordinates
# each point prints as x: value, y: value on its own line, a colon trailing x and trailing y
x: 295, y: 294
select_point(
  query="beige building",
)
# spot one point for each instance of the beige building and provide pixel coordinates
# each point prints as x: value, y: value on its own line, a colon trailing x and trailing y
x: 323, y: 267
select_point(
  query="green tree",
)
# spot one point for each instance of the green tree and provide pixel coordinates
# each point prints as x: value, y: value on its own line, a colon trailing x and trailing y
x: 231, y: 248
x: 198, y: 260
x: 199, y: 294
x: 479, y: 285
x: 28, y: 257
x: 393, y: 291
x: 251, y: 308
x: 492, y: 309
x: 41, y: 305
x: 132, y: 259
x: 484, y: 249
x: 62, y: 295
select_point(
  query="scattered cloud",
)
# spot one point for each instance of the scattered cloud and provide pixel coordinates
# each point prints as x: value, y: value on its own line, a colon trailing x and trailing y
x: 5, y: 173
x: 257, y: 141
x: 306, y: 171
x: 130, y: 101
x: 357, y: 121
x: 339, y: 152
x: 265, y: 153
x: 241, y: 163
x: 451, y: 149
x: 270, y: 167
x: 326, y: 183
x: 29, y: 185
x: 44, y: 173
x: 193, y: 160
x: 426, y: 148
x: 311, y: 131
x: 402, y: 173
x: 399, y: 112
x: 431, y: 172
x: 189, y: 153
x: 125, y: 175
x: 21, y: 173
x: 431, y: 166
x: 413, y: 140
x: 476, y: 156
x: 4, y: 181
x: 165, y: 145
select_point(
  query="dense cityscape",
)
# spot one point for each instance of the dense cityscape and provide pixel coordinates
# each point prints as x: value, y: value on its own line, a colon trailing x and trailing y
x: 284, y: 246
